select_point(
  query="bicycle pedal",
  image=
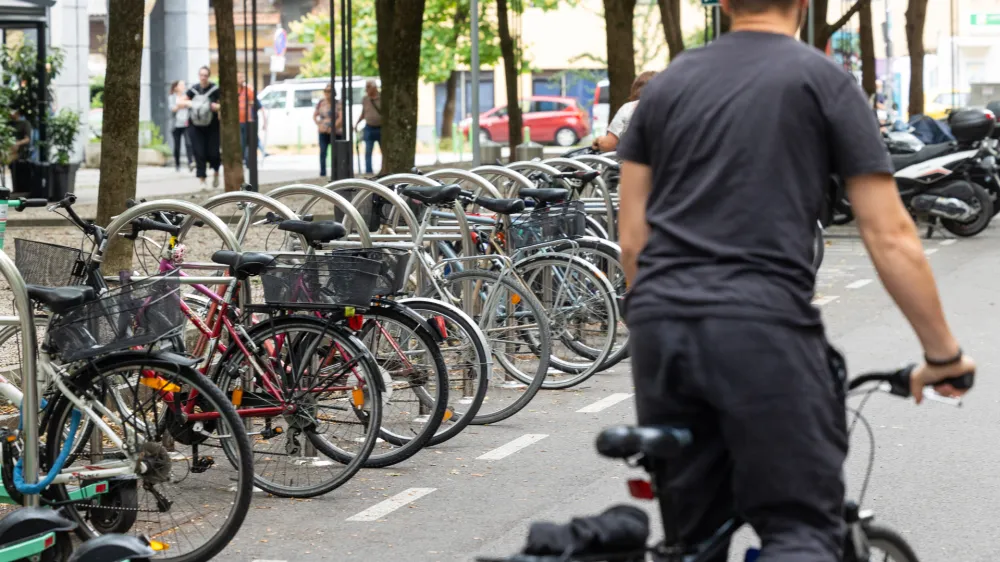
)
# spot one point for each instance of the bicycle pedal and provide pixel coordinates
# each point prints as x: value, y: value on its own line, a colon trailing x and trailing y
x: 202, y: 464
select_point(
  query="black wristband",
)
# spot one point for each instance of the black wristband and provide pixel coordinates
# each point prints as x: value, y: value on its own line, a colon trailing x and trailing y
x: 944, y: 362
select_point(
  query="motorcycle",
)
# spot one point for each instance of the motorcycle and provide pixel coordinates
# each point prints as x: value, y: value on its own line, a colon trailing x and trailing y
x: 942, y: 183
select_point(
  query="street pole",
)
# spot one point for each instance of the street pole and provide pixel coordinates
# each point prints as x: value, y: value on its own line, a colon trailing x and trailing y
x: 811, y: 20
x: 253, y: 132
x: 474, y: 129
x: 887, y: 81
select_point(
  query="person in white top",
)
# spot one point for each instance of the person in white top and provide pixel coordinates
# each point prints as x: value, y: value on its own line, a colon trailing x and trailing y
x: 623, y: 117
x: 179, y: 107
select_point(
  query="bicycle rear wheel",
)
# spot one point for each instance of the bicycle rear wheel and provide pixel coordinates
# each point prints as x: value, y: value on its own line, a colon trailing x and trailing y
x: 326, y: 378
x: 517, y: 330
x: 184, y: 498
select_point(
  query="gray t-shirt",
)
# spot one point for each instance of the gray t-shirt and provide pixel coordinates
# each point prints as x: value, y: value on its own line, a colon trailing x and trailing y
x: 181, y: 115
x: 742, y: 136
x: 622, y: 119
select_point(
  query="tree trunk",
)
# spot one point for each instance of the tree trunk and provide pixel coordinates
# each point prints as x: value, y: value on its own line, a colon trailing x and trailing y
x: 916, y: 15
x: 867, y: 33
x: 670, y: 15
x: 448, y: 115
x: 399, y: 30
x: 123, y: 79
x: 511, y: 76
x: 618, y: 15
x: 229, y: 101
x: 824, y: 30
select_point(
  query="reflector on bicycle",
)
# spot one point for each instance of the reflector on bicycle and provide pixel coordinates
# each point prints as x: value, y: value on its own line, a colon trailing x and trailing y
x: 640, y: 489
x: 356, y: 322
x: 237, y: 396
x: 157, y: 383
x: 358, y: 397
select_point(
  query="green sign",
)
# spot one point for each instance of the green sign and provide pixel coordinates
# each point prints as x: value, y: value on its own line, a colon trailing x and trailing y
x: 710, y: 2
x: 981, y: 19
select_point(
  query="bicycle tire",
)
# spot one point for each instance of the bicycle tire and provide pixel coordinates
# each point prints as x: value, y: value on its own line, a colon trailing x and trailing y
x: 407, y: 445
x: 599, y: 295
x: 502, y: 367
x: 464, y: 404
x: 352, y: 462
x: 891, y: 543
x: 607, y: 259
x: 213, y: 398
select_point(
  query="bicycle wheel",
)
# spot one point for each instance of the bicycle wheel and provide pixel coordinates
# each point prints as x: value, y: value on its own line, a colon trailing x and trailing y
x: 886, y: 545
x: 324, y: 381
x: 582, y: 312
x: 467, y: 357
x: 606, y: 257
x: 517, y: 330
x: 184, y: 498
x: 416, y: 376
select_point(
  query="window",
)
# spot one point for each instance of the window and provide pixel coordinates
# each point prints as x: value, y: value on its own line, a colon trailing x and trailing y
x: 547, y: 105
x: 604, y: 96
x: 500, y: 112
x: 274, y: 100
x: 307, y: 98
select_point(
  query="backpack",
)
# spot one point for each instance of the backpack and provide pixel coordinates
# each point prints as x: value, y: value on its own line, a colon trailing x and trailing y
x: 201, y: 108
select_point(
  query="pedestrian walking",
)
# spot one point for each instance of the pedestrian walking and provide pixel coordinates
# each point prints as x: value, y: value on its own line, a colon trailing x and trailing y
x: 329, y: 123
x: 623, y: 117
x: 371, y: 114
x: 204, y: 125
x: 179, y: 108
x: 248, y: 97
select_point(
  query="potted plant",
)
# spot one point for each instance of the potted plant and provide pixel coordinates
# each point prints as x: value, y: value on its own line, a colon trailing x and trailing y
x: 6, y: 148
x: 63, y: 128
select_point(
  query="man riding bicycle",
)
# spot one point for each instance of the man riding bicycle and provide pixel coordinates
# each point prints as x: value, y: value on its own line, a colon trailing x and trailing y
x: 724, y: 168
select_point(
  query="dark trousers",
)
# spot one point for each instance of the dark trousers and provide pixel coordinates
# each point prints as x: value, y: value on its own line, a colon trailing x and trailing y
x: 769, y: 431
x: 372, y: 135
x: 324, y: 145
x: 180, y: 135
x: 205, y: 141
x: 244, y: 139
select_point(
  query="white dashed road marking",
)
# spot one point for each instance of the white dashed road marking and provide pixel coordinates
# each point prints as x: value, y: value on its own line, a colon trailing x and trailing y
x: 512, y: 447
x: 259, y: 560
x: 381, y: 509
x: 825, y: 300
x: 948, y: 242
x: 859, y: 283
x: 930, y: 251
x: 604, y: 403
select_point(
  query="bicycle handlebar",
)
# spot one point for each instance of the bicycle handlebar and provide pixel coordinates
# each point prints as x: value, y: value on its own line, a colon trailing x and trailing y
x: 150, y: 224
x: 67, y: 204
x: 899, y: 383
x: 23, y: 203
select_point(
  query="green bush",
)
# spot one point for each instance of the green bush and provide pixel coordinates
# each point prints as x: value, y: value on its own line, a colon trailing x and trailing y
x: 63, y: 128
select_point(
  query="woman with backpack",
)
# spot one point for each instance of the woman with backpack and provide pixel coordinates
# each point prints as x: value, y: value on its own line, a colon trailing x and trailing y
x: 204, y: 129
x: 371, y: 114
x: 179, y: 105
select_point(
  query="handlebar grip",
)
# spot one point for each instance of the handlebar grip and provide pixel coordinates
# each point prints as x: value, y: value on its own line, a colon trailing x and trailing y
x: 149, y: 224
x: 129, y: 203
x: 961, y: 382
x: 33, y: 202
x: 68, y: 200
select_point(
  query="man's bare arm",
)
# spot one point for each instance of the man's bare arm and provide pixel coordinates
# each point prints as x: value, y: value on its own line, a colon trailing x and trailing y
x: 891, y: 239
x: 633, y: 192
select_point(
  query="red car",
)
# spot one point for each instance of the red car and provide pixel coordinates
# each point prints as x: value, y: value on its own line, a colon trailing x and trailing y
x: 551, y: 119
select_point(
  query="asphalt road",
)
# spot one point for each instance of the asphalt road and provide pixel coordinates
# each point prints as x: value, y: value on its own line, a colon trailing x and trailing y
x: 934, y: 480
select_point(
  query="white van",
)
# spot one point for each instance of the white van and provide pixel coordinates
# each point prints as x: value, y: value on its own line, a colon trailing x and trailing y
x: 602, y: 105
x: 290, y: 105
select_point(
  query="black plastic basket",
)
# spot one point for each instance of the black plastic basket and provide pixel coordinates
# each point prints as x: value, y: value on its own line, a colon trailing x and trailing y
x: 336, y: 279
x: 49, y: 265
x: 556, y: 222
x: 391, y: 278
x: 133, y: 315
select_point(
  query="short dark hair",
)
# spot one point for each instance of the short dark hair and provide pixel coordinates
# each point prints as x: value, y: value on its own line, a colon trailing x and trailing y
x: 759, y: 6
x: 206, y: 69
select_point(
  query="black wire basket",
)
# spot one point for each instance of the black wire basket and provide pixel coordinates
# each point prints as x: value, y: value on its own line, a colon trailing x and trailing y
x: 337, y: 279
x: 130, y: 316
x: 49, y: 265
x: 391, y: 278
x: 555, y: 222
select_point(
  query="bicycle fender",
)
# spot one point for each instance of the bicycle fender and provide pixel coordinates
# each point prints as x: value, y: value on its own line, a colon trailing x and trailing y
x: 412, y: 315
x: 29, y: 522
x: 112, y: 548
x: 158, y: 358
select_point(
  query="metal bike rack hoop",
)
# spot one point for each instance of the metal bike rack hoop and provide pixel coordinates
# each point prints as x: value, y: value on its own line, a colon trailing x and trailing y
x: 366, y: 188
x: 318, y: 193
x: 608, y: 201
x: 504, y: 172
x: 465, y: 175
x: 193, y: 212
x: 258, y: 200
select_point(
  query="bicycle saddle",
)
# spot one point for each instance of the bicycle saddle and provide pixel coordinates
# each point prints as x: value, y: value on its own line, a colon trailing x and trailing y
x: 61, y: 299
x: 501, y: 206
x: 655, y: 441
x: 321, y: 231
x: 243, y: 264
x: 112, y: 548
x: 545, y: 194
x: 900, y: 161
x: 434, y: 194
x: 585, y: 177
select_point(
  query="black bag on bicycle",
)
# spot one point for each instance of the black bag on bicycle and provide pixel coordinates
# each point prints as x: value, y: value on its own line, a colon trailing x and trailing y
x: 622, y: 528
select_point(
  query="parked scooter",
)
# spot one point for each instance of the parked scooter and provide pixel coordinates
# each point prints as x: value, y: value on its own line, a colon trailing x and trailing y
x: 942, y: 184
